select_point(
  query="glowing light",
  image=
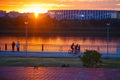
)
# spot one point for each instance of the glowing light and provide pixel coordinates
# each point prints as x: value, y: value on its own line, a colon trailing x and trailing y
x: 34, y: 9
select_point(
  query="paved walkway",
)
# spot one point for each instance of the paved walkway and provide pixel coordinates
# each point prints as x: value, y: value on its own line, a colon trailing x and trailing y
x: 52, y: 54
x: 57, y: 73
x: 40, y: 54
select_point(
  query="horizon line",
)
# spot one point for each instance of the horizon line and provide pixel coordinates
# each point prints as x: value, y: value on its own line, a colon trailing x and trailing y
x: 60, y: 9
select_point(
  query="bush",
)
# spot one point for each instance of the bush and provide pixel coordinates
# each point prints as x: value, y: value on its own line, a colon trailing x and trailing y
x: 91, y: 58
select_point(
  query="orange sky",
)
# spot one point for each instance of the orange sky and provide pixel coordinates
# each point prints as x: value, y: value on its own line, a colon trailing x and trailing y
x: 23, y: 5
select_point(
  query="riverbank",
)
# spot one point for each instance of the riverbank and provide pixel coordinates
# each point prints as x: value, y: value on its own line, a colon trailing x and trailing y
x: 62, y: 33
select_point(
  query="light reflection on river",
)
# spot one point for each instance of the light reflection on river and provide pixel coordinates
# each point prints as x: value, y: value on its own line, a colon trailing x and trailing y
x: 37, y: 41
x: 60, y: 40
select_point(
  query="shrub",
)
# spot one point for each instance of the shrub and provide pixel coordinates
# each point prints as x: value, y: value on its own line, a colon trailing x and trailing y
x: 91, y: 58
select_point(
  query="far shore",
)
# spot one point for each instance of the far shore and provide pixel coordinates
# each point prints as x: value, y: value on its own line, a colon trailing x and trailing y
x: 61, y: 34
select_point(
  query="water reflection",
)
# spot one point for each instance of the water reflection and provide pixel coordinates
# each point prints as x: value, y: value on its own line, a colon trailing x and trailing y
x: 60, y: 43
x: 60, y: 40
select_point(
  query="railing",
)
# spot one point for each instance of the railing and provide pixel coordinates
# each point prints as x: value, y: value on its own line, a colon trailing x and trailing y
x: 60, y: 48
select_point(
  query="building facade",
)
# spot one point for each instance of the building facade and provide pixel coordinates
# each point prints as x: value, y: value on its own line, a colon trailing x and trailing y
x: 2, y: 13
x: 118, y: 14
x: 82, y: 14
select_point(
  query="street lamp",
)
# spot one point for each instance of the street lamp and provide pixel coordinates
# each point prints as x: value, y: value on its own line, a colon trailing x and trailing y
x: 108, y: 29
x: 26, y: 24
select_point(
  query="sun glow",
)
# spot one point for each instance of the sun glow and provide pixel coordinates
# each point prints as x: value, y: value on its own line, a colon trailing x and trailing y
x: 34, y: 9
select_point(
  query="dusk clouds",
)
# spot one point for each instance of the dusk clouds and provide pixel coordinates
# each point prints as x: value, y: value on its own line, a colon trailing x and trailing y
x: 60, y: 4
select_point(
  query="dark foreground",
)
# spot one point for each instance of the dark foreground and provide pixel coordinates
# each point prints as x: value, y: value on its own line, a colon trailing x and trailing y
x: 53, y: 73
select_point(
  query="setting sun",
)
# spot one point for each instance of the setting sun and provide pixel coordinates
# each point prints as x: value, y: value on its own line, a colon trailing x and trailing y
x: 34, y: 9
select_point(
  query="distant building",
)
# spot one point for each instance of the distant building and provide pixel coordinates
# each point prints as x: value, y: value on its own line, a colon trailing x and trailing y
x: 2, y: 13
x: 82, y: 14
x: 27, y: 15
x: 118, y: 14
x: 13, y: 14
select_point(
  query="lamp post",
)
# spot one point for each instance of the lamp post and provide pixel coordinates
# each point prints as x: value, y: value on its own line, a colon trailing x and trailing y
x: 26, y: 24
x: 108, y: 29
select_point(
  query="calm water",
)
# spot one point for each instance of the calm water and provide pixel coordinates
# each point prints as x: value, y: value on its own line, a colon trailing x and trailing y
x: 60, y: 40
x: 59, y: 43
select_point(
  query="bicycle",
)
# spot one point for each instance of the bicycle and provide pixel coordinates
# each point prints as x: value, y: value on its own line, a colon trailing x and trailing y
x: 73, y: 51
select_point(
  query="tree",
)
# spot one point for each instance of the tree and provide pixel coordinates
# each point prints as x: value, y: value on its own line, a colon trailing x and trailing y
x: 91, y: 58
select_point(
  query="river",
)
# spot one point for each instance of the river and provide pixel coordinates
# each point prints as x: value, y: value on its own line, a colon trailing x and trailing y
x: 34, y: 43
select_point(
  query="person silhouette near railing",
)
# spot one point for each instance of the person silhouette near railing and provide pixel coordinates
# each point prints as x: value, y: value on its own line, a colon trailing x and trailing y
x: 77, y: 48
x: 5, y: 46
x: 74, y: 48
x: 13, y: 46
x: 18, y: 46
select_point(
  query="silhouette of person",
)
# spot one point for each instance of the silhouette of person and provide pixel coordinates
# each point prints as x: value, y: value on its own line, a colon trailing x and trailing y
x: 18, y: 46
x: 5, y: 46
x: 42, y: 47
x: 79, y: 48
x: 76, y: 48
x: 13, y: 46
x: 72, y: 47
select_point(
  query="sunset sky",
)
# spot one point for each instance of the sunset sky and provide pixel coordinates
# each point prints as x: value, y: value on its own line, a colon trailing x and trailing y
x: 27, y: 5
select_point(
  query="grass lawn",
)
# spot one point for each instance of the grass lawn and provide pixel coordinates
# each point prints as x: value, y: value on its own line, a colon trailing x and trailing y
x: 111, y: 63
x: 53, y: 62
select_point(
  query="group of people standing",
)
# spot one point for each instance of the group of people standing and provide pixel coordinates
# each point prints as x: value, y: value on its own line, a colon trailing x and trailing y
x: 75, y: 48
x: 17, y: 46
x: 13, y: 45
